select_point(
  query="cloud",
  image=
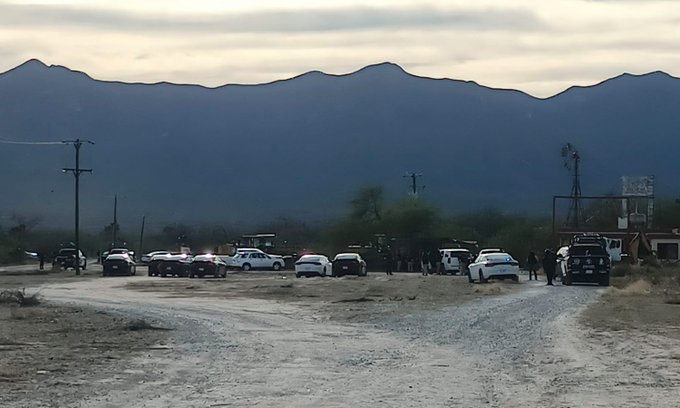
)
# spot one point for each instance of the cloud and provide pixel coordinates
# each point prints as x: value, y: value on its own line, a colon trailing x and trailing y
x: 273, y: 21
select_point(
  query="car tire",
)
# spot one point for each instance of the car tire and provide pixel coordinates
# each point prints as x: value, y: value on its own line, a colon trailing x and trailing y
x: 469, y: 276
x: 567, y: 280
x: 277, y: 266
x: 246, y: 267
x: 481, y: 277
x: 604, y: 281
x: 515, y: 278
x: 192, y: 275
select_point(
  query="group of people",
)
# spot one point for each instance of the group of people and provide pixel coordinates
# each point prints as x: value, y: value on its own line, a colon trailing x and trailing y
x: 426, y: 261
x: 549, y: 263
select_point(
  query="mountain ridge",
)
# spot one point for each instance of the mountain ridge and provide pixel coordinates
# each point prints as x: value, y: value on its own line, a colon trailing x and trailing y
x: 35, y: 63
x: 303, y: 146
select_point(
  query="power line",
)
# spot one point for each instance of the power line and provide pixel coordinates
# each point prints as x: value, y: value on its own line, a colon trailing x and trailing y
x: 20, y: 142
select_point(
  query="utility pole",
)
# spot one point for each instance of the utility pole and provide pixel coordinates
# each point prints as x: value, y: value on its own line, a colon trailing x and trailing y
x: 414, y: 182
x: 76, y: 172
x: 115, y: 221
x: 572, y: 159
x: 141, y: 236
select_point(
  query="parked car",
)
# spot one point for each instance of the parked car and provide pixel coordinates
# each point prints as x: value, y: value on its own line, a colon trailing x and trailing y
x: 248, y: 260
x: 120, y: 251
x: 349, y: 264
x: 587, y: 263
x: 207, y: 264
x: 313, y: 265
x: 175, y: 265
x: 66, y: 258
x: 146, y: 258
x: 155, y: 263
x: 496, y: 265
x: 119, y: 264
x: 455, y: 260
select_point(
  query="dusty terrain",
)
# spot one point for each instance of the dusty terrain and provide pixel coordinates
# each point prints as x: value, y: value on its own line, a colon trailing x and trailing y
x: 270, y: 340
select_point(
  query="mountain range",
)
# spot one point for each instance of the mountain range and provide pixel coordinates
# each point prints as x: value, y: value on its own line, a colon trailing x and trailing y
x: 300, y: 147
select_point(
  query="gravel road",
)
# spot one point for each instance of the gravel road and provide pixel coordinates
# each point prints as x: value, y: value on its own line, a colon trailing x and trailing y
x: 519, y: 350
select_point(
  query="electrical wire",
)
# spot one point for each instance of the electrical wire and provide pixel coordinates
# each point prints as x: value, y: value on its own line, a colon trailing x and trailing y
x: 20, y: 142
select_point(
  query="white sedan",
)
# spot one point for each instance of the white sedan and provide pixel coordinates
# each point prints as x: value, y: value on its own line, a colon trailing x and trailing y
x: 313, y: 265
x: 495, y: 265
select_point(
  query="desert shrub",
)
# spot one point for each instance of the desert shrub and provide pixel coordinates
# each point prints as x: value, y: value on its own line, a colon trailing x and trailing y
x: 19, y: 297
x: 622, y: 269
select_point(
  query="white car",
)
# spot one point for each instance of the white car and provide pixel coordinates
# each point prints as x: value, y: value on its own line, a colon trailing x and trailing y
x: 497, y: 265
x: 146, y: 258
x: 257, y: 260
x: 487, y: 251
x: 313, y: 265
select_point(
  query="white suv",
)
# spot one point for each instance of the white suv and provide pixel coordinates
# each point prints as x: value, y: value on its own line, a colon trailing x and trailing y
x: 256, y: 259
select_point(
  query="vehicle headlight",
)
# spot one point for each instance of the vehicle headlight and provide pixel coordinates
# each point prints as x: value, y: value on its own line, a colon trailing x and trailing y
x: 577, y: 261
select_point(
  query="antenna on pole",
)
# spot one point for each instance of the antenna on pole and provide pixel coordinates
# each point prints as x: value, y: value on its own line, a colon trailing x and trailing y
x: 414, y: 183
x: 572, y: 160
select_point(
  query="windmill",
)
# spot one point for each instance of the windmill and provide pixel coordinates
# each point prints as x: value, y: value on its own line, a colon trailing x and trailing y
x: 572, y: 160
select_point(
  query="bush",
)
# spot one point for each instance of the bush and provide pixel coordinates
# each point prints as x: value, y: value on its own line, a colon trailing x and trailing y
x: 19, y: 297
x: 622, y: 269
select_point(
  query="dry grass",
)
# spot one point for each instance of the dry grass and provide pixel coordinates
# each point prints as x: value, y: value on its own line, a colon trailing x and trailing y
x: 641, y: 298
x: 635, y: 288
x: 19, y: 297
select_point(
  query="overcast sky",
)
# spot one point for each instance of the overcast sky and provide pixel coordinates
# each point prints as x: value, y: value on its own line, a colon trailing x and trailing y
x: 539, y: 46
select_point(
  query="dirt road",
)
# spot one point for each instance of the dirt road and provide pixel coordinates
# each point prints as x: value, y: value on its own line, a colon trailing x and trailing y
x: 523, y: 349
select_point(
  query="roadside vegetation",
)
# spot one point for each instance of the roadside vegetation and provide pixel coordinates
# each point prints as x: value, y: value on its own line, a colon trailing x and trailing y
x: 645, y: 298
x: 368, y: 214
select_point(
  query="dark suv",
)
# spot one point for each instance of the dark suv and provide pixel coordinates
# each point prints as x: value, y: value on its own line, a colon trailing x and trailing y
x: 66, y: 258
x: 587, y: 263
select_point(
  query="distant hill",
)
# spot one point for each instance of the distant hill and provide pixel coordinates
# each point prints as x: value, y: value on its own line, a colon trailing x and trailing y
x: 300, y: 147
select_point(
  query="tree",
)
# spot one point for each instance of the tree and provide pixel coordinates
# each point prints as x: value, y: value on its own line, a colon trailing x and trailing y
x: 368, y: 204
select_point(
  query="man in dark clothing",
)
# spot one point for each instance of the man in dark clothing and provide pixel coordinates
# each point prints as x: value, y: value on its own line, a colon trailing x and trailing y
x: 389, y: 259
x: 532, y: 265
x: 41, y: 259
x: 425, y: 262
x: 436, y: 261
x: 549, y: 264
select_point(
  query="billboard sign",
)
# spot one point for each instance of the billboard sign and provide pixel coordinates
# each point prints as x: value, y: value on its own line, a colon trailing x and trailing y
x: 638, y: 186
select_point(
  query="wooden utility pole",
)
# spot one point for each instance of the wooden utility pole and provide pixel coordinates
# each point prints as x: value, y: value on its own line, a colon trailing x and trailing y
x: 76, y: 172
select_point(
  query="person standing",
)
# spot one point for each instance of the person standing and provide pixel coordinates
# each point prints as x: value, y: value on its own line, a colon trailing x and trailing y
x: 549, y: 264
x: 436, y: 261
x: 424, y: 262
x: 400, y: 261
x: 388, y: 262
x: 532, y: 265
x: 409, y: 262
x: 41, y: 259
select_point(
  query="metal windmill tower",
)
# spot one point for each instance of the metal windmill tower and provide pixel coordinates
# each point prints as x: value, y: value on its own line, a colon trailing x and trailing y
x: 572, y: 160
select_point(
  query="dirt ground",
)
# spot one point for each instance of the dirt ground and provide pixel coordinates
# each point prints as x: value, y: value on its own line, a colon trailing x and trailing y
x: 271, y: 340
x: 54, y: 353
x: 347, y: 299
x: 645, y: 300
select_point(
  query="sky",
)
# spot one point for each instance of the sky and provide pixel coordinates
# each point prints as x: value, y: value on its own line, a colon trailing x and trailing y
x: 539, y: 46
